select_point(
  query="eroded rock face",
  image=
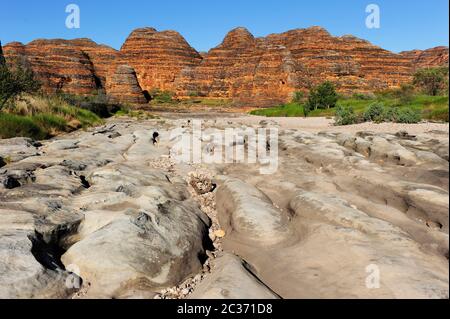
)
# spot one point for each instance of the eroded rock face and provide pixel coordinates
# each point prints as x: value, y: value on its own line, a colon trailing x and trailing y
x: 263, y: 71
x: 143, y: 251
x: 21, y: 275
x: 91, y: 205
x: 123, y: 86
x: 158, y: 57
x: 434, y: 57
x: 59, y: 64
x: 250, y: 214
x: 102, y: 58
x: 271, y: 68
x: 78, y: 66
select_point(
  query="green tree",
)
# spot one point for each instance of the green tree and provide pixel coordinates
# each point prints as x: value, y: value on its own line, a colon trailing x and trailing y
x: 8, y: 87
x: 2, y: 58
x: 16, y: 81
x: 323, y: 97
x: 297, y: 97
x: 306, y: 110
x: 431, y: 80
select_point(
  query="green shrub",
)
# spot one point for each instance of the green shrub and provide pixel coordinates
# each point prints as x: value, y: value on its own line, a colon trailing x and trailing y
x: 97, y: 103
x: 439, y: 115
x: 363, y: 97
x: 345, y: 116
x: 431, y: 80
x: 323, y: 97
x: 405, y: 93
x: 408, y: 116
x: 50, y: 122
x: 390, y: 114
x: 101, y: 109
x: 193, y: 94
x: 159, y: 96
x: 375, y: 112
x: 15, y: 81
x: 306, y: 110
x: 15, y: 125
x: 297, y: 97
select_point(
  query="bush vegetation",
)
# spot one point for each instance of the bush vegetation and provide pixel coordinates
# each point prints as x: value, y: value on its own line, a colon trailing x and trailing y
x: 158, y: 96
x: 97, y: 102
x: 407, y: 104
x: 14, y: 82
x: 432, y: 80
x: 42, y: 117
x: 25, y: 111
x: 345, y: 115
x: 323, y: 96
x: 298, y: 97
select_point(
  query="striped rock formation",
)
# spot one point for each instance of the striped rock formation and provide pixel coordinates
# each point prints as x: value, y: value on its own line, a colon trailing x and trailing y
x: 77, y: 66
x: 437, y: 56
x: 158, y: 57
x: 58, y: 64
x: 271, y: 68
x: 123, y: 87
x: 101, y: 56
x: 260, y: 71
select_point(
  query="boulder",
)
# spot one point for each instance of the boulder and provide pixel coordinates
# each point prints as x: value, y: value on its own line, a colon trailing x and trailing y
x: 144, y: 252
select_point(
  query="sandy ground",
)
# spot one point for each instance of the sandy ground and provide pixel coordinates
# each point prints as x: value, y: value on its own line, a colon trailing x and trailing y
x: 313, y: 124
x: 318, y: 124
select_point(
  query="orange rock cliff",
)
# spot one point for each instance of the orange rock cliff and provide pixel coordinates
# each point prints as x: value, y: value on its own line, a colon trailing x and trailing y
x: 261, y: 71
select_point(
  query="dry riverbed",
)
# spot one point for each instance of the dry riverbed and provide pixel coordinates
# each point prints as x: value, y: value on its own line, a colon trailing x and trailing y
x: 351, y: 212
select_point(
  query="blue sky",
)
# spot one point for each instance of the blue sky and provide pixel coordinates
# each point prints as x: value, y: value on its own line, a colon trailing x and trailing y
x: 405, y: 24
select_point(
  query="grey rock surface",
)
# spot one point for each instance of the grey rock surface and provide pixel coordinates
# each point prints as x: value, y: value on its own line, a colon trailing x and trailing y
x: 108, y: 213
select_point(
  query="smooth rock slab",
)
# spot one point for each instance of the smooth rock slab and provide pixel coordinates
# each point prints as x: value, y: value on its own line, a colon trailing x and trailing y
x: 248, y: 214
x: 356, y: 246
x: 147, y: 251
x: 230, y: 279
